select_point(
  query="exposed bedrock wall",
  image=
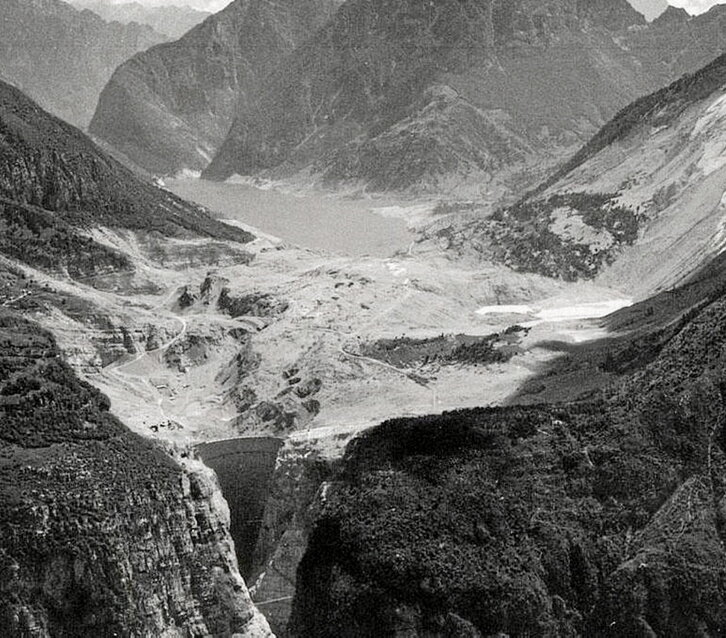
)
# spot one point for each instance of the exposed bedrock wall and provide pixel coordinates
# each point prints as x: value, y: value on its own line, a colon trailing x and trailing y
x: 244, y: 468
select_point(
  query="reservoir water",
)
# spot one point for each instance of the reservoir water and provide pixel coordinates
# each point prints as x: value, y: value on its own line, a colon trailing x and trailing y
x: 336, y: 224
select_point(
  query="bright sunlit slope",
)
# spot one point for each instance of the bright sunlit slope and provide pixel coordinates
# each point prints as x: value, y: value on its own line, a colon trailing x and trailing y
x: 641, y: 206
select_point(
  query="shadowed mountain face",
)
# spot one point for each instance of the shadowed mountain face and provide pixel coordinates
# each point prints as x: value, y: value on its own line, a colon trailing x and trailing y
x: 62, y: 57
x: 171, y: 107
x: 405, y: 95
x: 47, y: 163
x: 597, y: 518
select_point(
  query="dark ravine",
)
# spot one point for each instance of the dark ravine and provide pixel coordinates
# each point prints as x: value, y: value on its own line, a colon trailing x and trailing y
x: 295, y: 495
x: 244, y: 468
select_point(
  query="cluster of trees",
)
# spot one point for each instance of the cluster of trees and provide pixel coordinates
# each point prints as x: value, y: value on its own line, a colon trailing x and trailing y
x: 41, y: 399
x: 523, y: 239
x: 43, y: 240
x: 407, y: 352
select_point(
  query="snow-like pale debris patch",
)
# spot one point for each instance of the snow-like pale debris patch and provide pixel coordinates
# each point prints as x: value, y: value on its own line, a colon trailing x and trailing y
x: 711, y: 126
x: 593, y: 310
x: 396, y: 269
x: 718, y: 242
x: 204, y: 154
x: 505, y: 310
x: 590, y: 310
x: 711, y: 115
x: 412, y: 214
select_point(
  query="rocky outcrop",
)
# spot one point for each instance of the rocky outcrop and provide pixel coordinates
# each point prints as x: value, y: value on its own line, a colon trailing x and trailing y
x: 62, y: 57
x: 170, y: 108
x: 102, y: 532
x: 295, y: 497
x: 474, y: 96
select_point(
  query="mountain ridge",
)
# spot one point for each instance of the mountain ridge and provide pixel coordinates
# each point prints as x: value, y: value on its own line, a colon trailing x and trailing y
x: 168, y: 109
x: 481, y: 100
x: 62, y: 57
x: 639, y: 206
x: 172, y: 20
x: 48, y: 163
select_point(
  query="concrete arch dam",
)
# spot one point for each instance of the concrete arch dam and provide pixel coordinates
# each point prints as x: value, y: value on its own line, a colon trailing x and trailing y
x: 244, y: 468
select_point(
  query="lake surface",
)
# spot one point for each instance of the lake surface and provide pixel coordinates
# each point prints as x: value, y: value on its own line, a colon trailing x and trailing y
x: 320, y: 222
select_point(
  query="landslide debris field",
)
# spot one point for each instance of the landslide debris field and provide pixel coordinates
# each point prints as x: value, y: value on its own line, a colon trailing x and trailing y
x: 205, y: 340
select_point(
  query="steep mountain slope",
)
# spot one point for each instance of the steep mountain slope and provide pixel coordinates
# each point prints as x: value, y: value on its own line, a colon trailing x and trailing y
x: 484, y: 94
x: 47, y: 163
x: 598, y: 518
x: 102, y: 533
x: 642, y: 204
x: 62, y: 57
x: 171, y: 107
x: 173, y: 21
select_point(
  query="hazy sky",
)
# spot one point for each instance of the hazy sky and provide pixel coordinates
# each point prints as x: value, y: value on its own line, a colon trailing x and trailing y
x: 696, y: 6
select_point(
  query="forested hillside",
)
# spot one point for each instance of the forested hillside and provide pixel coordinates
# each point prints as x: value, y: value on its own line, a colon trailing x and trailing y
x: 602, y: 517
x: 47, y: 163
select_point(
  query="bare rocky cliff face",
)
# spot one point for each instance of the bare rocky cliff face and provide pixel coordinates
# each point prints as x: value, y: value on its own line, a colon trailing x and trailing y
x: 171, y: 107
x: 102, y: 533
x: 295, y: 497
x: 62, y: 57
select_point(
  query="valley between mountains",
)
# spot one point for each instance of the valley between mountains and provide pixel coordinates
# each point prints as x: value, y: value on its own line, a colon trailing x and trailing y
x: 205, y: 340
x: 359, y: 319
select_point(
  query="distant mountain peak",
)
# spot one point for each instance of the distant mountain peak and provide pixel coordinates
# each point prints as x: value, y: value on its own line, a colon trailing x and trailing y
x: 62, y: 57
x: 614, y: 14
x: 170, y: 108
x: 672, y: 15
